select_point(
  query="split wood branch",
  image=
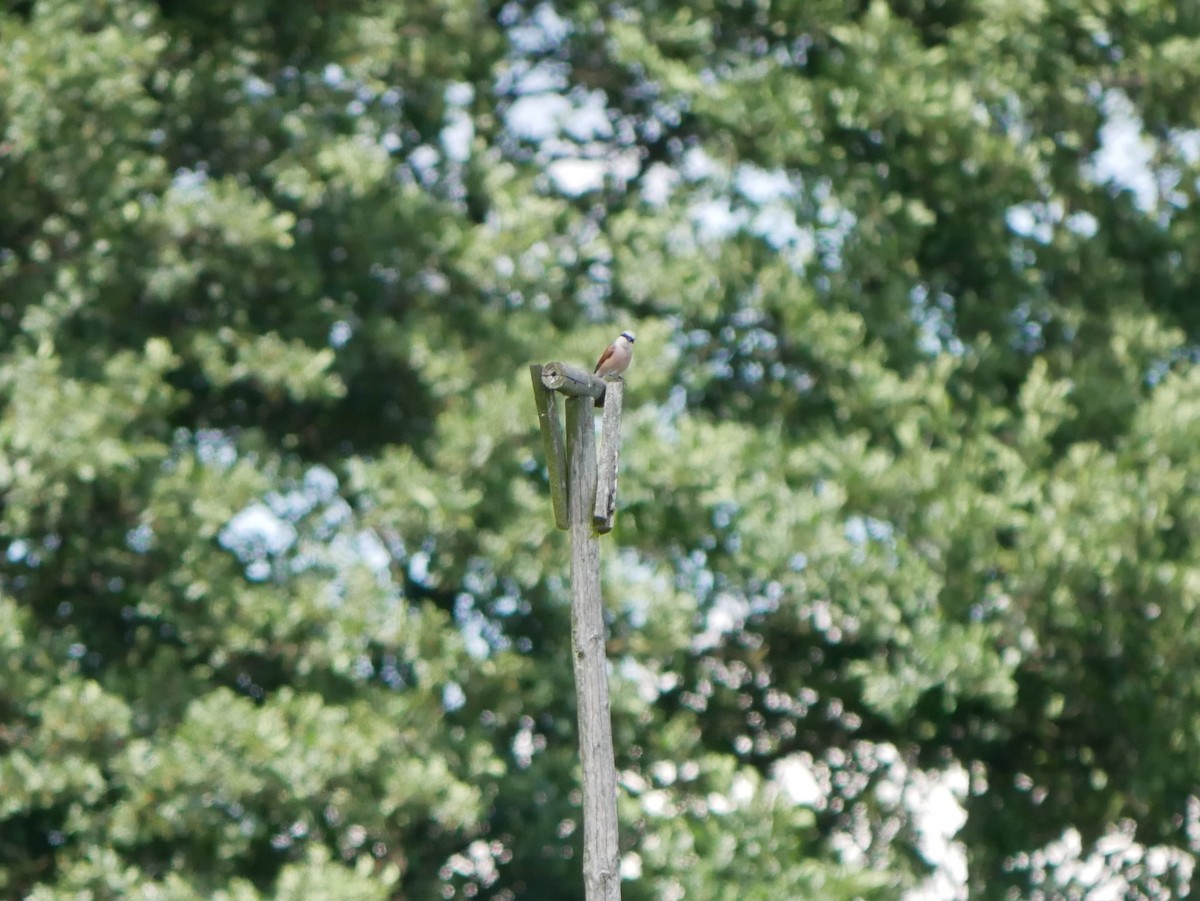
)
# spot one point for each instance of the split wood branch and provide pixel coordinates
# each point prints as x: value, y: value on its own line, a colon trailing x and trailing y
x: 610, y: 446
x: 552, y: 444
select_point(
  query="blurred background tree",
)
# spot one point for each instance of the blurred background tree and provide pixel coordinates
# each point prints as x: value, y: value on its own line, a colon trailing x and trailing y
x: 904, y: 587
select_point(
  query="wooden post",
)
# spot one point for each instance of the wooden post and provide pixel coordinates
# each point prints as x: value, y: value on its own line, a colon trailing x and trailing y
x: 601, y: 864
x: 601, y: 854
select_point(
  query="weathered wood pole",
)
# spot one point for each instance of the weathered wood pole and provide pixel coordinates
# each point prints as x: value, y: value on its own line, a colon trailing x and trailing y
x: 601, y: 854
x: 601, y: 865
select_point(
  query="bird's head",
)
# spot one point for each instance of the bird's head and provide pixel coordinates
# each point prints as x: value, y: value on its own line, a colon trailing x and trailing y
x: 628, y: 336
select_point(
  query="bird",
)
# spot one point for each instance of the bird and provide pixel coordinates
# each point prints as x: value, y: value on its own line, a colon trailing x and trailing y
x: 616, y: 357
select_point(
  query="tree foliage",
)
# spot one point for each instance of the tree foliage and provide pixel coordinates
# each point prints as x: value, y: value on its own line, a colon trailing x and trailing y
x: 909, y: 478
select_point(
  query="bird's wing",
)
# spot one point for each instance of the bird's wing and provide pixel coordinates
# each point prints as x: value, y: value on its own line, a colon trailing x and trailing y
x: 608, y: 352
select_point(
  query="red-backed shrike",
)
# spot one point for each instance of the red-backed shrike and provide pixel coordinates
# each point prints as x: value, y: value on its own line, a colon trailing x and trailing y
x: 617, y: 357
